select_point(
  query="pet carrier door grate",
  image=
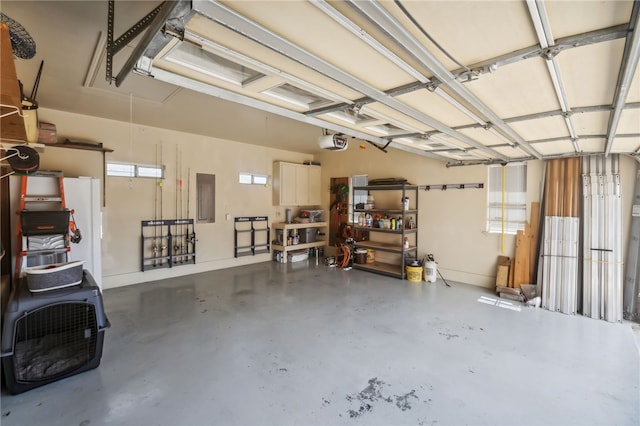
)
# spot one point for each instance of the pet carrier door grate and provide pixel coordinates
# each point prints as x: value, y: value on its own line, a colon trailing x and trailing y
x: 54, y: 341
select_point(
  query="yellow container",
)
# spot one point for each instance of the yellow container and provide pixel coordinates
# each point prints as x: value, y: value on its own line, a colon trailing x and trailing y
x: 414, y: 273
x: 371, y: 256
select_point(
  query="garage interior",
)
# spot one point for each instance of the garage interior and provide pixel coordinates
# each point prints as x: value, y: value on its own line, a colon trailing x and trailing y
x: 436, y: 102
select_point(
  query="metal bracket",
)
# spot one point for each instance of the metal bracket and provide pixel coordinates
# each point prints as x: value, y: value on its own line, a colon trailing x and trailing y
x: 550, y: 52
x: 381, y: 148
x: 153, y: 21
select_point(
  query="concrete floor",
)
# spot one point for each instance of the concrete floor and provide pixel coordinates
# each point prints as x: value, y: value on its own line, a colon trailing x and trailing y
x: 274, y: 344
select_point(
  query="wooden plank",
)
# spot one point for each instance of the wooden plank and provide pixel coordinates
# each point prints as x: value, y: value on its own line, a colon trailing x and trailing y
x: 533, y: 241
x: 502, y: 271
x: 512, y: 266
x: 521, y: 268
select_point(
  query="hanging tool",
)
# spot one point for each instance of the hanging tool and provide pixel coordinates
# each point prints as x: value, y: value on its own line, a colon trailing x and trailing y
x: 76, y: 235
x: 163, y: 246
x: 191, y: 236
x: 176, y: 246
x: 22, y: 159
x: 182, y: 227
x: 154, y: 247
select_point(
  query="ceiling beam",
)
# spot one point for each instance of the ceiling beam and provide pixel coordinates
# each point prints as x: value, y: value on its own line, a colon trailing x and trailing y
x: 227, y: 95
x: 542, y: 26
x: 230, y: 19
x: 153, y: 24
x: 380, y: 17
x: 561, y: 44
x: 627, y: 70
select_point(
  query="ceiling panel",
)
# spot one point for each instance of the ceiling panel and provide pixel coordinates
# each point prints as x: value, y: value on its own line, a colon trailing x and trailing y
x: 470, y: 31
x: 626, y: 145
x: 325, y: 39
x: 541, y: 128
x: 435, y: 106
x: 554, y: 148
x: 590, y: 72
x: 591, y: 123
x: 579, y: 16
x: 593, y: 145
x: 385, y: 113
x: 517, y: 89
x: 483, y: 136
x: 629, y: 122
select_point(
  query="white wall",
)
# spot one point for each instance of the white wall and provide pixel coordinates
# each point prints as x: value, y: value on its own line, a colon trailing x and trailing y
x: 129, y: 201
x: 452, y: 222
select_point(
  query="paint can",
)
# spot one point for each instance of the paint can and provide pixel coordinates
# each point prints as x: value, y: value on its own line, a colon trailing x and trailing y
x: 371, y: 256
x: 414, y: 273
x: 360, y: 256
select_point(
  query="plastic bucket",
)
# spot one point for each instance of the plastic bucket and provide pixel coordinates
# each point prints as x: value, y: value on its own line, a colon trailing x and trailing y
x: 361, y: 256
x: 414, y: 273
x: 371, y: 256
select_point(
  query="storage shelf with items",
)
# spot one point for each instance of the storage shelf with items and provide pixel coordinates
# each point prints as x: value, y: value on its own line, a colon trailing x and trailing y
x: 297, y: 236
x: 391, y: 231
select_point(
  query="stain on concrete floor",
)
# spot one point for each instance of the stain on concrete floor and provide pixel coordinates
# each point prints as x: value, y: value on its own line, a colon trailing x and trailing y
x: 367, y: 399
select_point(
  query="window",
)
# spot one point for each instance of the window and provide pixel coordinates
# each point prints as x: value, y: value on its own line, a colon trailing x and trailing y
x: 249, y: 178
x: 130, y: 170
x: 515, y: 198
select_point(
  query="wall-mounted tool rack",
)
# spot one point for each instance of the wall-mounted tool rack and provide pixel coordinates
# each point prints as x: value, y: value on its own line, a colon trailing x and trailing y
x: 444, y: 187
x: 248, y: 238
x: 167, y: 243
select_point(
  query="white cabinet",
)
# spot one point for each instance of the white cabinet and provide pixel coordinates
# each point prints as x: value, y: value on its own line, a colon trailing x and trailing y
x: 296, y: 184
x: 314, y: 193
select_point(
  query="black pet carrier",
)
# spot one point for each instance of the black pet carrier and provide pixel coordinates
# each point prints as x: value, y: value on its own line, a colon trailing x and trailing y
x: 50, y: 335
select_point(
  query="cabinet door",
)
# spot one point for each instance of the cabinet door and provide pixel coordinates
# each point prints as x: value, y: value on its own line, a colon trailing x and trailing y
x: 302, y: 184
x: 314, y: 194
x: 288, y: 185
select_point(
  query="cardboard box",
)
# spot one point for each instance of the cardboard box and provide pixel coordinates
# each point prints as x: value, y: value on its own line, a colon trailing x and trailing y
x: 47, y: 133
x: 502, y: 271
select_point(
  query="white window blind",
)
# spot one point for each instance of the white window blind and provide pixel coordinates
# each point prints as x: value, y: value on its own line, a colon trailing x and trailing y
x: 252, y: 179
x: 515, y: 198
x: 120, y: 169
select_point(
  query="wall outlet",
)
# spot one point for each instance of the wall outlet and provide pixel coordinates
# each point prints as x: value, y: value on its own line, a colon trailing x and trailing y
x: 227, y: 216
